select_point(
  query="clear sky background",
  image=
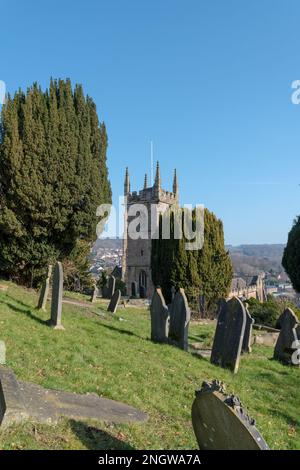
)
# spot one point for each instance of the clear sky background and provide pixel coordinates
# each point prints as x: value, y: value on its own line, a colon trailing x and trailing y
x: 209, y: 81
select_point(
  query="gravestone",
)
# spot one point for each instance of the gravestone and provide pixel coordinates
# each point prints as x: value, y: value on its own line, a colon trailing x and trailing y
x: 114, y: 301
x: 173, y: 292
x: 95, y: 294
x: 247, y: 340
x: 180, y: 316
x: 111, y: 286
x: 202, y: 303
x: 221, y: 422
x: 45, y: 290
x: 21, y: 401
x: 265, y: 339
x: 229, y: 335
x: 288, y: 341
x: 57, y: 293
x: 2, y: 352
x: 159, y: 318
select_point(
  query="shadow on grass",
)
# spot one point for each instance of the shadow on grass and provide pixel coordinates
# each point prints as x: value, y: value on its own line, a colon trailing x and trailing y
x: 198, y: 356
x: 28, y: 313
x: 269, y: 374
x: 95, y: 439
x: 19, y: 301
x: 291, y: 420
x: 123, y: 332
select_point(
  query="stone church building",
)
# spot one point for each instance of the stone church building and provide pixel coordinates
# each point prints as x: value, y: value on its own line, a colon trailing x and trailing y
x: 136, y: 263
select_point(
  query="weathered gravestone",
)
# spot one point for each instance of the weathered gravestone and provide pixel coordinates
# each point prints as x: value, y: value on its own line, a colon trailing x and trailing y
x: 111, y: 286
x: 20, y: 401
x: 95, y: 294
x: 288, y: 342
x: 220, y: 421
x: 265, y: 339
x: 229, y: 335
x: 57, y: 293
x: 159, y: 318
x: 173, y: 292
x: 45, y: 290
x: 114, y: 301
x: 247, y: 340
x: 2, y: 352
x: 180, y: 316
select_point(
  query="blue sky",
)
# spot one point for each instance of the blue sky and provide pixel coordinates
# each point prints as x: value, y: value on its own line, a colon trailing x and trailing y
x: 209, y: 81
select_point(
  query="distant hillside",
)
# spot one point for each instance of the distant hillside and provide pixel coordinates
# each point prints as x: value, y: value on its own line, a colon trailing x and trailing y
x: 250, y: 259
x: 247, y: 260
x: 261, y: 251
x: 108, y: 243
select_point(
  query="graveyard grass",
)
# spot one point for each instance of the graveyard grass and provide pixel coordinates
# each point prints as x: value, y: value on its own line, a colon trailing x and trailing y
x: 113, y: 357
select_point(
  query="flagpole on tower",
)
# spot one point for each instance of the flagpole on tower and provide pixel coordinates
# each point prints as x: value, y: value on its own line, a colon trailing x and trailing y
x: 151, y: 163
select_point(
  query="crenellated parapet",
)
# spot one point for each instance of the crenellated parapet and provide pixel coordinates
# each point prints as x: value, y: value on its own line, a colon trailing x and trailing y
x: 153, y: 194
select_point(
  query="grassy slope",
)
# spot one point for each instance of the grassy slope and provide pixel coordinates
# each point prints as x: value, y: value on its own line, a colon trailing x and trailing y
x: 115, y: 359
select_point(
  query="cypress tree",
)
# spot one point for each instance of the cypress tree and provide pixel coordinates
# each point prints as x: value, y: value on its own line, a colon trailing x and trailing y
x: 291, y: 255
x: 206, y: 272
x: 53, y: 175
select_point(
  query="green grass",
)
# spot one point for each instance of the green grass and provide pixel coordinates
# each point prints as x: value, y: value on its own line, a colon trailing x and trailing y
x: 116, y: 359
x: 77, y: 296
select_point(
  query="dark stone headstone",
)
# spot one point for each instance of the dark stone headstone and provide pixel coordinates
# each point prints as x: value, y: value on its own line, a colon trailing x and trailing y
x: 45, y: 290
x: 57, y: 294
x: 114, y: 301
x: 133, y: 289
x: 180, y: 316
x: 159, y: 318
x: 288, y: 342
x: 220, y: 421
x: 229, y: 335
x: 173, y: 292
x: 247, y: 340
x: 202, y: 303
x: 111, y: 286
x: 218, y: 342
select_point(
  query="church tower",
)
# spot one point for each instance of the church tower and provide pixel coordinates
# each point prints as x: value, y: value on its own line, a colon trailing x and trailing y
x: 136, y: 263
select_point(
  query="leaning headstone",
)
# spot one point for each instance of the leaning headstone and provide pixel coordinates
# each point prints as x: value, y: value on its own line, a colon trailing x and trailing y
x: 218, y: 343
x: 57, y: 293
x: 95, y: 294
x: 45, y: 290
x: 229, y: 335
x: 114, y: 301
x: 159, y: 318
x: 247, y: 340
x: 12, y: 404
x: 180, y: 316
x: 221, y: 422
x: 2, y: 352
x: 288, y: 342
x: 111, y: 286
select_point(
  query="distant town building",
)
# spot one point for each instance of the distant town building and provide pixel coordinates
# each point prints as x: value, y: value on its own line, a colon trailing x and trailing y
x: 254, y: 288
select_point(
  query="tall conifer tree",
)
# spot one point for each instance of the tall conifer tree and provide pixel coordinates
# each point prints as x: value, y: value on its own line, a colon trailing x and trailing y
x: 206, y: 272
x: 53, y: 175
